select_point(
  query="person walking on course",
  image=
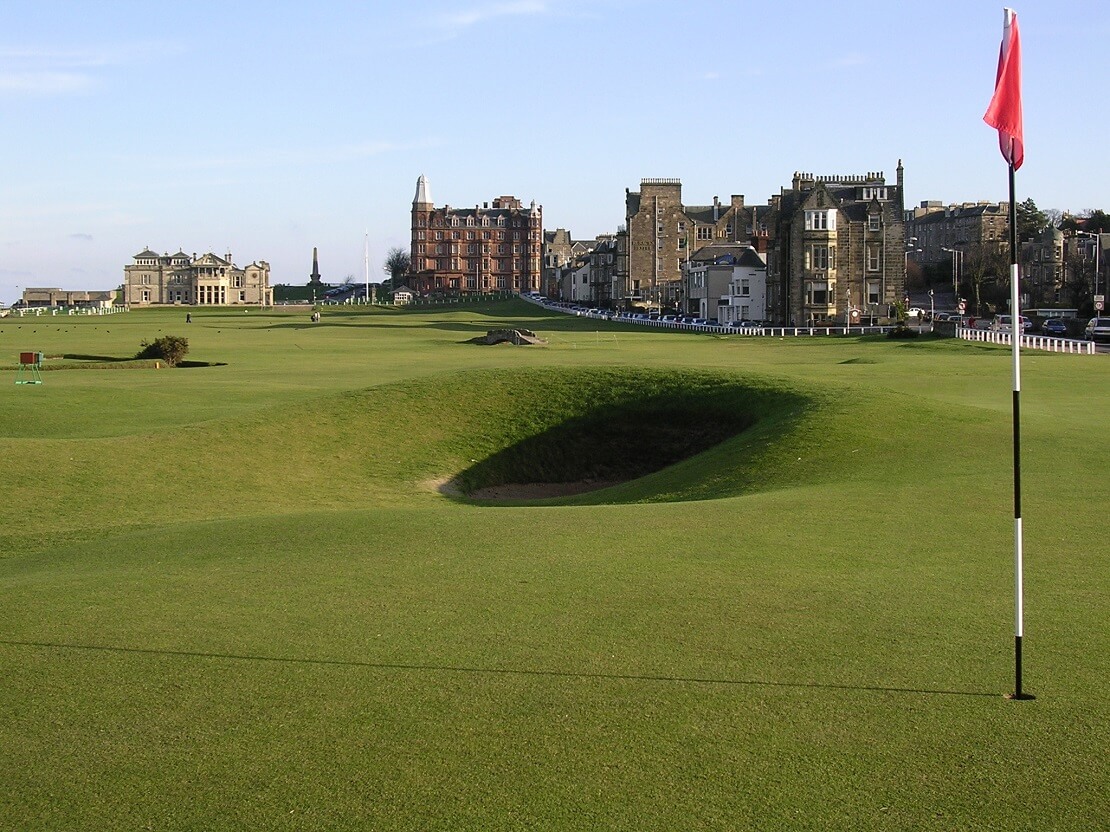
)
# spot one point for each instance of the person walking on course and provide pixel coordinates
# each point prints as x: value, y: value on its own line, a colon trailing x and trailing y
x: 188, y: 317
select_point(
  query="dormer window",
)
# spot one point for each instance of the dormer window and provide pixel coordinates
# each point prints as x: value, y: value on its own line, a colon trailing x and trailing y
x: 874, y: 222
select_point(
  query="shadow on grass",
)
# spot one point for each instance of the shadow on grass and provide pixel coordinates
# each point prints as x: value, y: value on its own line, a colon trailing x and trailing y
x: 74, y: 356
x: 137, y: 363
x: 497, y: 671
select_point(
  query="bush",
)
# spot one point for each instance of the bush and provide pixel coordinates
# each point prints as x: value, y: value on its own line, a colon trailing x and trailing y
x: 902, y: 331
x: 169, y: 348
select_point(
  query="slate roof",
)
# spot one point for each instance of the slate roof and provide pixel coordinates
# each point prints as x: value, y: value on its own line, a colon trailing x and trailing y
x: 734, y: 254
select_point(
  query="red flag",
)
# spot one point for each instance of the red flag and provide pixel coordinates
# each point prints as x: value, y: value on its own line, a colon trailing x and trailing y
x: 1004, y: 112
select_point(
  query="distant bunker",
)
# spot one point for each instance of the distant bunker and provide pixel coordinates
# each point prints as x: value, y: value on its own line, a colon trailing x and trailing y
x: 588, y: 436
x: 517, y: 337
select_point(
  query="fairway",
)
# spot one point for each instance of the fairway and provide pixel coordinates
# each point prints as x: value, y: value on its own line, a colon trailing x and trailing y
x: 254, y: 595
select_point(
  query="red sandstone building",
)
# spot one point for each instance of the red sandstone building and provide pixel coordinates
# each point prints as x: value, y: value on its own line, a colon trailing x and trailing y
x: 481, y: 249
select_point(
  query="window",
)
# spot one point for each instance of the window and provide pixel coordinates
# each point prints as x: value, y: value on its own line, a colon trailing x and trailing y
x: 682, y: 228
x: 873, y: 292
x: 874, y: 257
x: 705, y: 232
x: 824, y: 220
x: 745, y: 289
x: 817, y: 293
x: 439, y: 235
x: 682, y: 242
x: 874, y: 193
x: 873, y: 222
x: 821, y: 257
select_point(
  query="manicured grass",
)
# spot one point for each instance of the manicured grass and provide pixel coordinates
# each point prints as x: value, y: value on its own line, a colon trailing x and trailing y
x: 234, y: 598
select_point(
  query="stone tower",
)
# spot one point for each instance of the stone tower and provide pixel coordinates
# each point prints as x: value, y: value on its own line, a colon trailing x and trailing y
x: 314, y: 278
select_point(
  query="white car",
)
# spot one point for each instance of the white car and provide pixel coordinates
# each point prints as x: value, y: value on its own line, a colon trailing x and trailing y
x: 1004, y: 323
x: 1097, y: 329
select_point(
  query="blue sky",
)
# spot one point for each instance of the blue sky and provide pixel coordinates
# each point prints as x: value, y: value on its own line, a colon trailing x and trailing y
x: 269, y: 128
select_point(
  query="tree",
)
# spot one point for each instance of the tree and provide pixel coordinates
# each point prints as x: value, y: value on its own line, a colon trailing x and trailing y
x: 1031, y: 221
x: 169, y: 348
x: 396, y: 265
x: 1096, y: 220
x: 983, y: 267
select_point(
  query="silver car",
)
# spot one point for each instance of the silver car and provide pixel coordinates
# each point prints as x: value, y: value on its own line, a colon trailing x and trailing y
x: 1097, y: 329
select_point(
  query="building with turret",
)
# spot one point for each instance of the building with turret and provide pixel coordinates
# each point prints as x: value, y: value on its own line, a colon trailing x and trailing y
x: 490, y: 247
x: 207, y: 280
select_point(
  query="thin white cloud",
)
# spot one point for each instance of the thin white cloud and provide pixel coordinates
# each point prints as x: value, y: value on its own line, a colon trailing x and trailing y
x: 851, y: 59
x: 285, y: 157
x: 43, y: 83
x: 479, y: 14
x: 41, y: 72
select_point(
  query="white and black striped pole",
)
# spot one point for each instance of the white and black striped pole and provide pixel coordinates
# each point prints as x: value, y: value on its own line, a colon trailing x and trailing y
x: 1004, y: 114
x: 1017, y: 329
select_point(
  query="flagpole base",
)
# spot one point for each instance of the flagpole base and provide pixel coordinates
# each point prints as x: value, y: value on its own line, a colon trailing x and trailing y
x: 1019, y: 697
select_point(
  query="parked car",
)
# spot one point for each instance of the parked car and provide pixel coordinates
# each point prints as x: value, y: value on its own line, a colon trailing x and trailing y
x: 1004, y: 323
x: 1097, y: 329
x: 1054, y: 326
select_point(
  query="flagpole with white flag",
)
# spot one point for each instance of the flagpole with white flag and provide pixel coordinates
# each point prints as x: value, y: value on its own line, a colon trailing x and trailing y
x: 1004, y: 114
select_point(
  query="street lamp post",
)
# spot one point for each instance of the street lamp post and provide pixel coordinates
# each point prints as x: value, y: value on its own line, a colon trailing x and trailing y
x: 1096, y: 236
x: 957, y: 258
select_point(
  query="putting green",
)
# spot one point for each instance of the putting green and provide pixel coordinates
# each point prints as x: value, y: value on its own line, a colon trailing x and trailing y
x: 234, y: 596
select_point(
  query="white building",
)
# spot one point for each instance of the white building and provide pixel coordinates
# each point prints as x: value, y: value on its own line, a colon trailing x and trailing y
x: 727, y: 283
x: 207, y: 280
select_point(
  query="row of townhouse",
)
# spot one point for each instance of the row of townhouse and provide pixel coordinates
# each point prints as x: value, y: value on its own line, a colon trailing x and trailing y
x: 1064, y: 269
x: 829, y: 249
x: 1058, y: 268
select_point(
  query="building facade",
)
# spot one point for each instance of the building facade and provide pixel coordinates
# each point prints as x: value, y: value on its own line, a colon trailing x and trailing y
x: 661, y: 232
x: 66, y: 298
x: 934, y: 230
x: 207, y: 280
x: 725, y: 283
x: 837, y: 250
x: 486, y: 248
